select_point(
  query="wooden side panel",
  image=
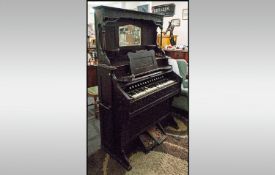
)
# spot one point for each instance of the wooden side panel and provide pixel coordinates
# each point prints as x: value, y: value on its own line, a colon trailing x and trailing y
x: 104, y: 86
x: 106, y: 128
x: 111, y: 36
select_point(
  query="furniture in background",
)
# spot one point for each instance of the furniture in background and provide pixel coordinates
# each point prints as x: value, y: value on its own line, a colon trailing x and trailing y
x: 92, y: 85
x: 92, y: 56
x: 181, y: 102
x: 91, y: 75
x: 172, y: 24
x: 178, y: 54
x: 93, y: 92
x: 165, y: 40
x: 91, y: 42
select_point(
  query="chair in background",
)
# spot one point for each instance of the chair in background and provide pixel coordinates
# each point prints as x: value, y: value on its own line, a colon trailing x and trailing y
x: 93, y: 92
x: 92, y: 86
x: 181, y: 103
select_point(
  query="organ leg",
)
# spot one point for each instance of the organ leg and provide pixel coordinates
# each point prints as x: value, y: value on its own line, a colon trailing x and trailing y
x: 124, y: 161
x: 121, y: 158
x: 173, y: 123
x: 161, y: 128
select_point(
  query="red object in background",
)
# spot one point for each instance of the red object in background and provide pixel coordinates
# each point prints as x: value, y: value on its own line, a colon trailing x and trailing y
x: 177, y: 54
x: 169, y: 47
x: 91, y: 77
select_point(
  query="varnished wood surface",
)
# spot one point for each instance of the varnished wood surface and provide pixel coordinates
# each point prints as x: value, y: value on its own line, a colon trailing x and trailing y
x: 92, y: 75
x: 178, y: 54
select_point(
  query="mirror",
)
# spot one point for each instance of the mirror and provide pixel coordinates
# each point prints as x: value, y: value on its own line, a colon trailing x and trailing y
x: 129, y: 35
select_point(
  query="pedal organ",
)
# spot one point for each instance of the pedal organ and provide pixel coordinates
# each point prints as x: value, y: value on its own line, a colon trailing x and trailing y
x: 136, y: 83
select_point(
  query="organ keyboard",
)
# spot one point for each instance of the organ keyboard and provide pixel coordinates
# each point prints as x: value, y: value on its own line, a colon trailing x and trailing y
x: 150, y: 86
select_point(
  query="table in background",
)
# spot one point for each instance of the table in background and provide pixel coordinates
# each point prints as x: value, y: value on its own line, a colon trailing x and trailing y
x: 177, y: 54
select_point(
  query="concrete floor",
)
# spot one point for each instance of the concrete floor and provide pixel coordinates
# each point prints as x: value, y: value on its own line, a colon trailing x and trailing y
x: 93, y: 129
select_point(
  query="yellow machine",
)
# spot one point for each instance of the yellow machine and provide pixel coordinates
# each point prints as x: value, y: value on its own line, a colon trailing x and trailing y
x: 165, y: 40
x: 170, y: 39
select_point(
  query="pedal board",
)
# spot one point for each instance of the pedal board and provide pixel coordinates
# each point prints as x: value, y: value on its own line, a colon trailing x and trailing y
x: 152, y: 137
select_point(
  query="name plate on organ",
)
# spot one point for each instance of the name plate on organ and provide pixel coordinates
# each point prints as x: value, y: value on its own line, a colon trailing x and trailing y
x: 142, y: 61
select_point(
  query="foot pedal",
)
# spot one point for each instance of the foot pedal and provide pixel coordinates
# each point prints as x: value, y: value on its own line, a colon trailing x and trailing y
x: 157, y: 134
x: 152, y: 137
x: 147, y: 141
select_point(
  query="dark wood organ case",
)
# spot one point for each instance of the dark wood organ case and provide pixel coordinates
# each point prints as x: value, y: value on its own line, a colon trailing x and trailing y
x: 136, y: 83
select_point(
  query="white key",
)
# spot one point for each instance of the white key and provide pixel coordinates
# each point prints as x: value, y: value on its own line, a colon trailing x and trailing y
x: 148, y: 90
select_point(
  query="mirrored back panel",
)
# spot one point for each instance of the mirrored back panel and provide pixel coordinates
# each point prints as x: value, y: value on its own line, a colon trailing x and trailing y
x: 129, y: 35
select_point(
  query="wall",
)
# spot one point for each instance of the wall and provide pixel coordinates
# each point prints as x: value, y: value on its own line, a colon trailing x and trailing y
x: 182, y: 30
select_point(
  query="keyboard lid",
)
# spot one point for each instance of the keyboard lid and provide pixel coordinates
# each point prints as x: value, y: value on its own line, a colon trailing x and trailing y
x: 142, y: 61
